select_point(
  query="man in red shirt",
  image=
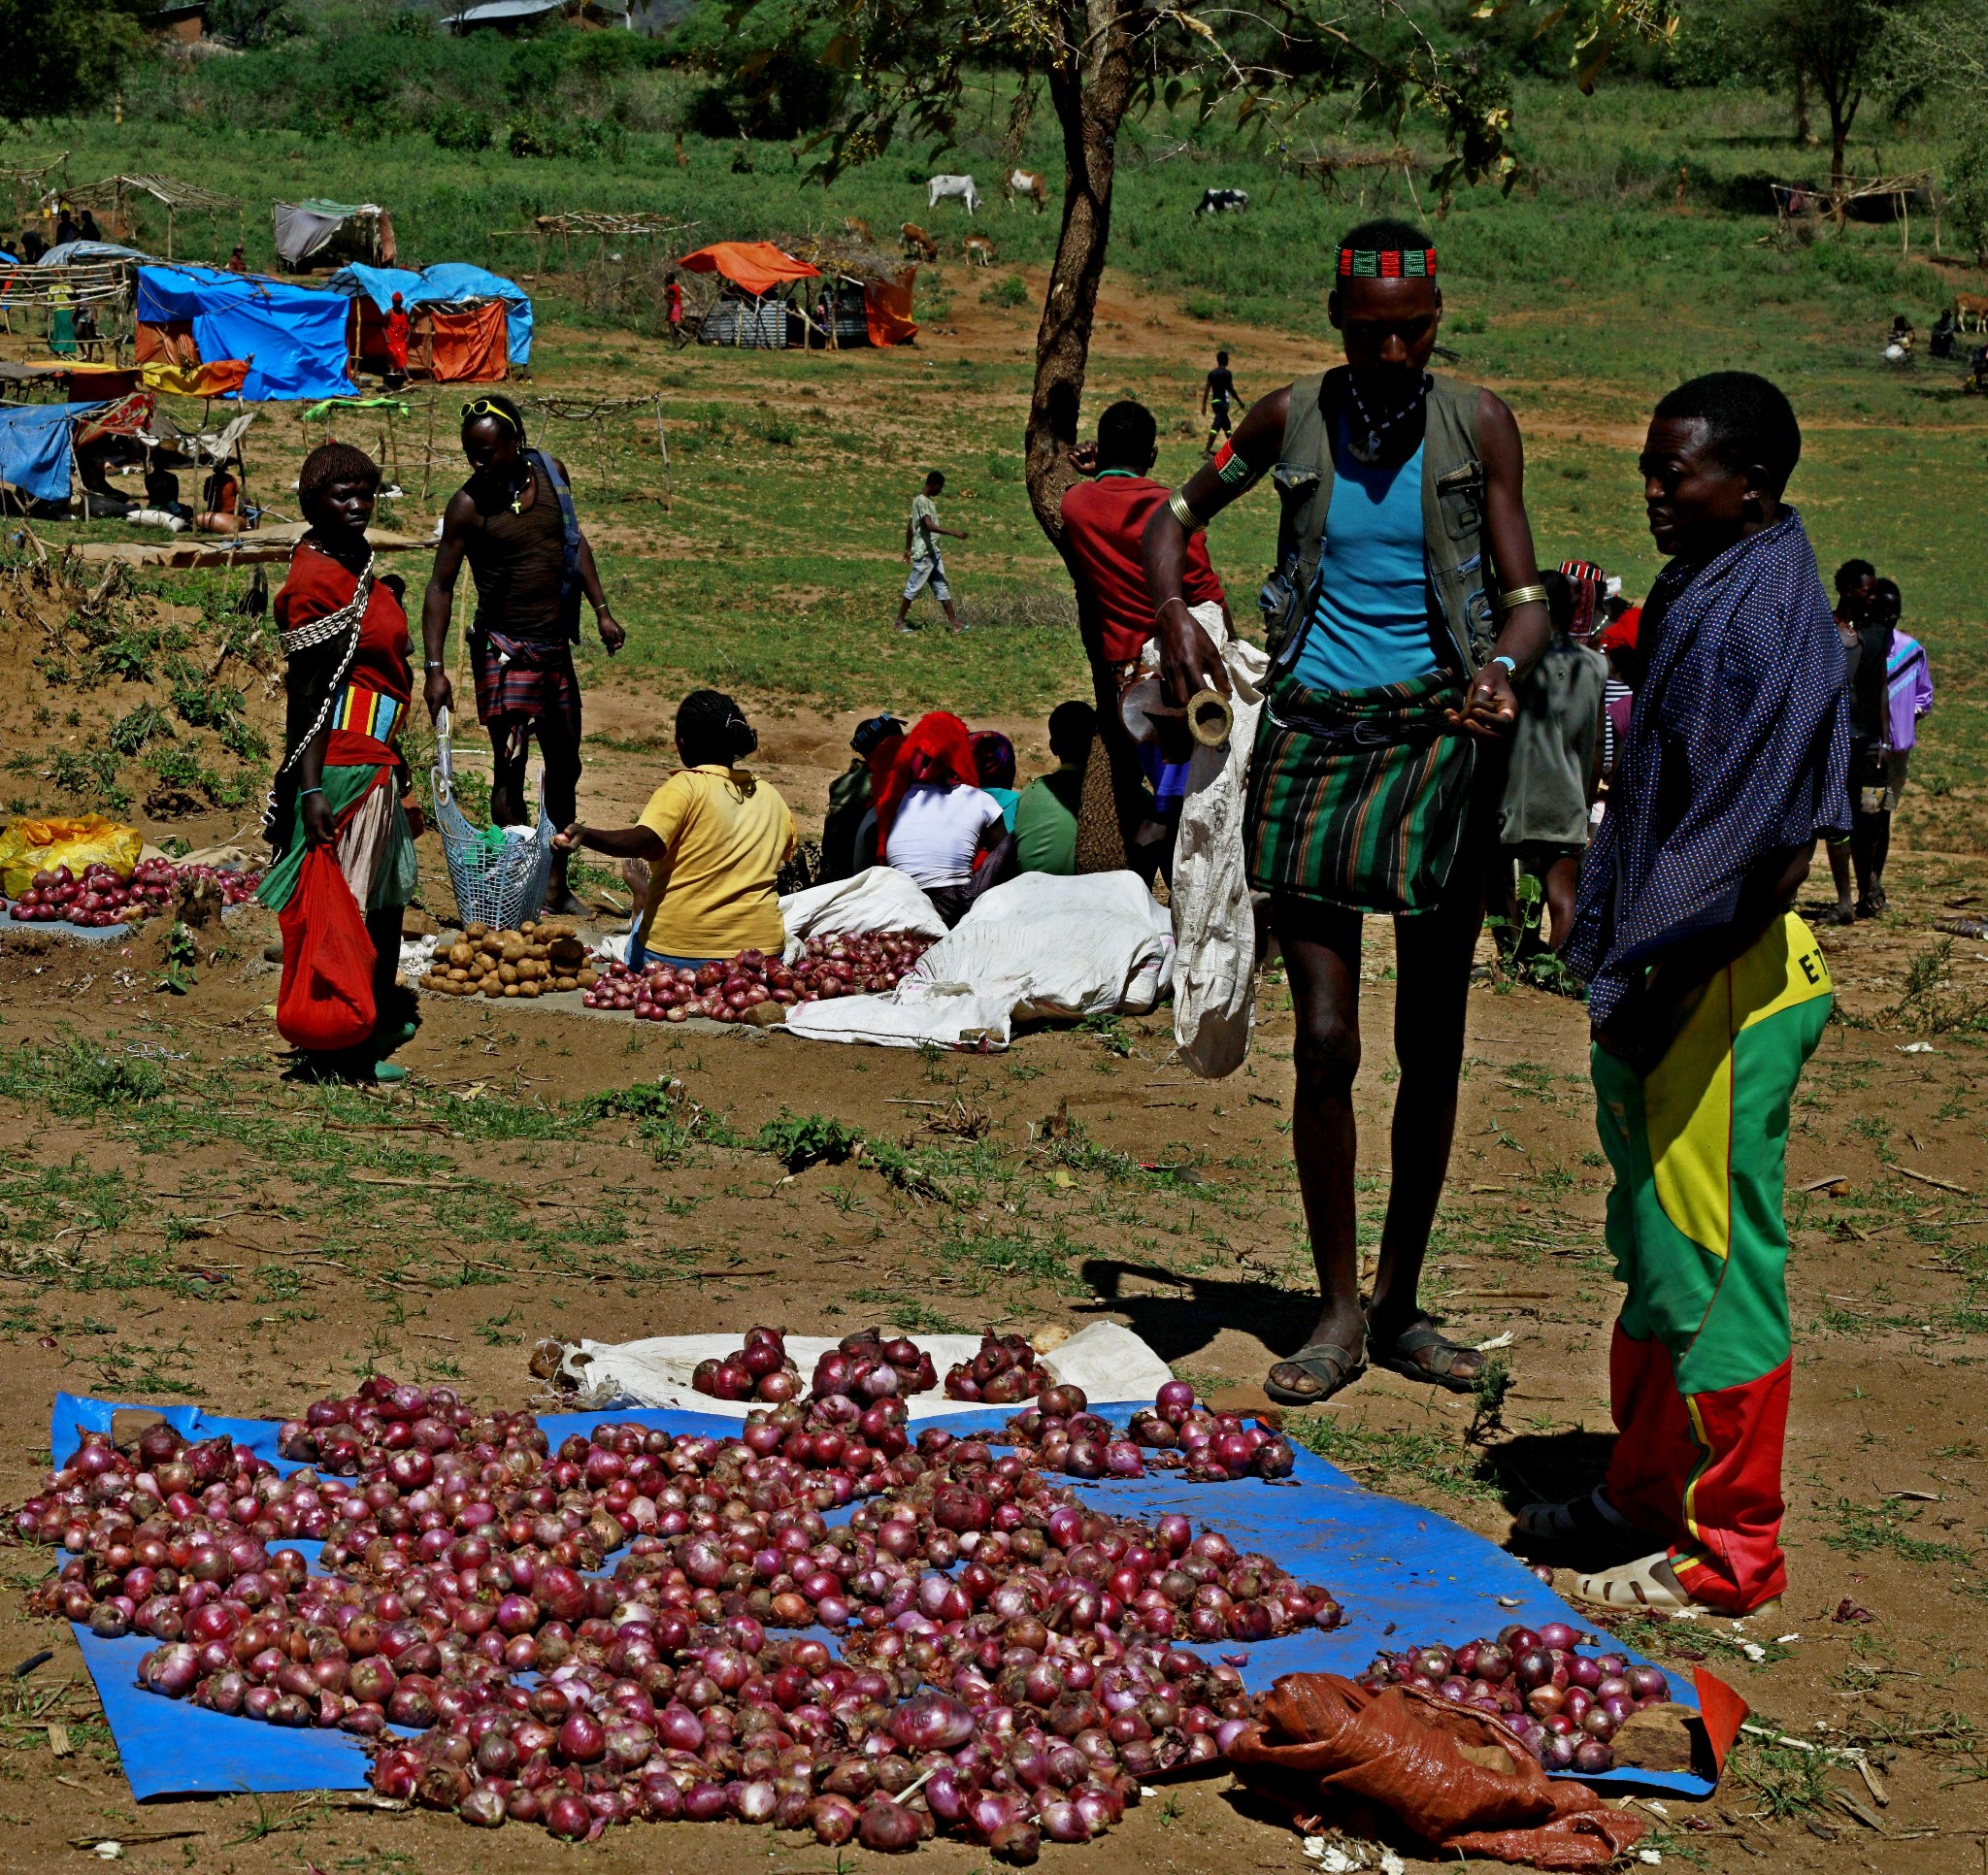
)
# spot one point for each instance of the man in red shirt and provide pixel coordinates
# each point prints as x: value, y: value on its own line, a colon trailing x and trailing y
x: 672, y: 295
x: 396, y: 344
x: 1103, y: 521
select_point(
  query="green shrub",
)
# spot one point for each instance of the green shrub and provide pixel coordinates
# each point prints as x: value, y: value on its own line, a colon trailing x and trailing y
x: 1011, y: 291
x: 457, y: 127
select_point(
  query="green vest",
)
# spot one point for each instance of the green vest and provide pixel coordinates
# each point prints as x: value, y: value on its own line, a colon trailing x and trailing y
x: 1452, y: 518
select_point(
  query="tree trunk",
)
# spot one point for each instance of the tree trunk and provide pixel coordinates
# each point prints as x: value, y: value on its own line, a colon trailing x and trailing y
x: 1843, y: 114
x: 1803, y: 135
x: 1091, y: 87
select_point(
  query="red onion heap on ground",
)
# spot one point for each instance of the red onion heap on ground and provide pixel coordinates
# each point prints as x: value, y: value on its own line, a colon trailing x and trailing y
x: 759, y: 1370
x: 1564, y: 1706
x: 98, y: 897
x: 1007, y: 1662
x: 729, y: 992
x: 1001, y: 1374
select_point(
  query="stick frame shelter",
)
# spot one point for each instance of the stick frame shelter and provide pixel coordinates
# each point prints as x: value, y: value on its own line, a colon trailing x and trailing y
x: 174, y: 194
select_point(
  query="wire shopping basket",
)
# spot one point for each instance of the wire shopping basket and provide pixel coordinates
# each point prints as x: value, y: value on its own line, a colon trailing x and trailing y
x: 498, y: 873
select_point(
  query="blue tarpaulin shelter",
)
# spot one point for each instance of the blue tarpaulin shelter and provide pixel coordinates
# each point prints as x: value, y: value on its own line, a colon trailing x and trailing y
x: 35, y: 446
x: 448, y: 283
x: 293, y: 336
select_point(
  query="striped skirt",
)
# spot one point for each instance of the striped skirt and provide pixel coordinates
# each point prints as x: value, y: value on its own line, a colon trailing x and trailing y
x: 1359, y: 798
x: 525, y: 677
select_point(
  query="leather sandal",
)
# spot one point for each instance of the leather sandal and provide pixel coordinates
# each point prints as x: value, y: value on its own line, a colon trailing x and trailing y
x: 1333, y: 1366
x: 1423, y: 1337
x: 1592, y: 1519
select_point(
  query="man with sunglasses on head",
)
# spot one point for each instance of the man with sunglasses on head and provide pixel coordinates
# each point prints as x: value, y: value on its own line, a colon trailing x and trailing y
x: 514, y: 521
x: 1404, y: 606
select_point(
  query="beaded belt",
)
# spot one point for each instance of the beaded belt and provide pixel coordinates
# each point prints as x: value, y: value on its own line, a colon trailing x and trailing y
x: 367, y: 712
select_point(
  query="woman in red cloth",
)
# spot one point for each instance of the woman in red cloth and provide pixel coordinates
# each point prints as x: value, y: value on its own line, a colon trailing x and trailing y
x: 342, y: 782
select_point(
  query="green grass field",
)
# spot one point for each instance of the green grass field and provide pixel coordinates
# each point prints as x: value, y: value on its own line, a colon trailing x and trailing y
x: 1582, y: 296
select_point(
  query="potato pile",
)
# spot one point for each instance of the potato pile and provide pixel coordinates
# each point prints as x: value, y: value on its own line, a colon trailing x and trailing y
x: 533, y: 960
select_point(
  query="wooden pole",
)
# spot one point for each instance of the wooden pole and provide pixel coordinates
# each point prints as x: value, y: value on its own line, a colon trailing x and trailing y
x: 663, y: 446
x: 428, y: 450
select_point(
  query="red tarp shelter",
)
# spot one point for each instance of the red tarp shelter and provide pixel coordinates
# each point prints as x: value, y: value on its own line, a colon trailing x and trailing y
x: 887, y: 310
x: 452, y: 344
x: 754, y: 267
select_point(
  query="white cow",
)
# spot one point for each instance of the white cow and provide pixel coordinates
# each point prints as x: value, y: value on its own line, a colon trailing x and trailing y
x: 1028, y: 182
x: 942, y: 188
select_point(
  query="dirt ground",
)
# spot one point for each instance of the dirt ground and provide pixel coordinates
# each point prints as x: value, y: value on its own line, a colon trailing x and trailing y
x: 178, y: 1221
x: 300, y: 1249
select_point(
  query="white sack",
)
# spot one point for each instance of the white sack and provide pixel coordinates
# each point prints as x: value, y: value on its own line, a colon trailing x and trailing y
x: 1214, y: 925
x: 1108, y: 1360
x: 1040, y: 945
x: 878, y: 899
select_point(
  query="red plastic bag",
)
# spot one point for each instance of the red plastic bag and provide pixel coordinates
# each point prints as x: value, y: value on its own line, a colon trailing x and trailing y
x: 1453, y: 1777
x: 325, y: 1001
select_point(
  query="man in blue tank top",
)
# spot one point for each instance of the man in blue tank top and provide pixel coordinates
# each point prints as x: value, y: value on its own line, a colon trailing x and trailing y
x: 1404, y: 603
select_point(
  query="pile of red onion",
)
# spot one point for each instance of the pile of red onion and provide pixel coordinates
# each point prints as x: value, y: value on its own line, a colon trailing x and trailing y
x: 869, y: 1365
x: 759, y: 1370
x: 98, y: 897
x: 728, y: 992
x: 1001, y: 1374
x: 1006, y: 1666
x: 1060, y: 1433
x: 1563, y: 1705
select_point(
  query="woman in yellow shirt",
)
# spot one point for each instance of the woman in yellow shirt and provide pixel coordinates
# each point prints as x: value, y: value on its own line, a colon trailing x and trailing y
x: 714, y: 836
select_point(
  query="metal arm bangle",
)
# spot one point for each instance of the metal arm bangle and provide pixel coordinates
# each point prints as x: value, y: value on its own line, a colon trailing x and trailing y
x: 1186, y: 515
x: 1508, y: 602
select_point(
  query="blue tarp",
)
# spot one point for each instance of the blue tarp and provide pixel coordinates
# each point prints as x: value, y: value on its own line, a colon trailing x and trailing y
x: 1403, y: 1575
x: 293, y: 336
x: 448, y: 283
x: 35, y: 451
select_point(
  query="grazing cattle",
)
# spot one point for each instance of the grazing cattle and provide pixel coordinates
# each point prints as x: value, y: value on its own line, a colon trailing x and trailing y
x: 1222, y: 201
x: 1971, y: 305
x: 978, y: 250
x: 919, y: 244
x: 856, y: 226
x: 1028, y: 182
x: 951, y: 188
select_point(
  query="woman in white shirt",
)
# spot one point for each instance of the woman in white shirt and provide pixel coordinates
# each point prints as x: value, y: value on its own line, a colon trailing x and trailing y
x: 933, y: 821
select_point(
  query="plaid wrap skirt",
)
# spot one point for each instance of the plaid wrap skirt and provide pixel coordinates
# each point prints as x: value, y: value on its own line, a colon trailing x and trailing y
x: 1359, y: 798
x: 525, y: 677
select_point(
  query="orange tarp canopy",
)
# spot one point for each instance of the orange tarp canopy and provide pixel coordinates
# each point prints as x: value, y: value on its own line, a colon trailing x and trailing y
x: 887, y: 310
x: 756, y: 266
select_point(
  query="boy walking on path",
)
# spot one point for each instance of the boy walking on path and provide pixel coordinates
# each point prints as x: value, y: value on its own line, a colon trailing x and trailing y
x: 922, y: 557
x: 1217, y: 392
x: 1708, y: 995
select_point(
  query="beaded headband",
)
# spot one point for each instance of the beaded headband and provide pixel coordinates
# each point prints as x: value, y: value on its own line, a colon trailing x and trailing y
x: 1387, y: 263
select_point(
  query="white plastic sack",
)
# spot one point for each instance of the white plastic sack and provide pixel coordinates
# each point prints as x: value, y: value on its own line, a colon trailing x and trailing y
x: 1214, y: 923
x: 1108, y: 1360
x: 878, y: 899
x: 1042, y: 946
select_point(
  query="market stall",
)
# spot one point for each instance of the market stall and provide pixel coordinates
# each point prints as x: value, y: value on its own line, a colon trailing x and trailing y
x: 360, y: 231
x: 291, y: 337
x: 466, y: 324
x: 752, y: 309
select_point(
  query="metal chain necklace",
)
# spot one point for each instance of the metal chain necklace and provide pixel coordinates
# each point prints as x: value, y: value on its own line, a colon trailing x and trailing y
x: 1377, y: 432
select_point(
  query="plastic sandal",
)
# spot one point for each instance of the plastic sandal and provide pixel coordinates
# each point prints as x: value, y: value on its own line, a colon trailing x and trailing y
x: 1333, y: 1366
x: 1637, y: 1588
x: 1421, y: 1336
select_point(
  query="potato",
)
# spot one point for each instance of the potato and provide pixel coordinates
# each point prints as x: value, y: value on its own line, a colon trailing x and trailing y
x: 492, y: 987
x: 459, y: 954
x: 511, y: 989
x: 507, y: 974
x: 473, y: 932
x: 586, y: 978
x: 528, y: 989
x: 564, y: 983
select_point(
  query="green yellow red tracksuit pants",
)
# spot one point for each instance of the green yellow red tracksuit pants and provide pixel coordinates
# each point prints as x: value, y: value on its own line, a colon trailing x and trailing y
x: 1699, y: 1371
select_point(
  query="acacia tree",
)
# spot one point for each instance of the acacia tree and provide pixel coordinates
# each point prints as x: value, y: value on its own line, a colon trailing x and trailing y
x: 1833, y: 50
x: 913, y: 65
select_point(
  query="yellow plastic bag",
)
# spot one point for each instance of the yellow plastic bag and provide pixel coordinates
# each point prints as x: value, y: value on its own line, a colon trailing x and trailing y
x: 29, y: 846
